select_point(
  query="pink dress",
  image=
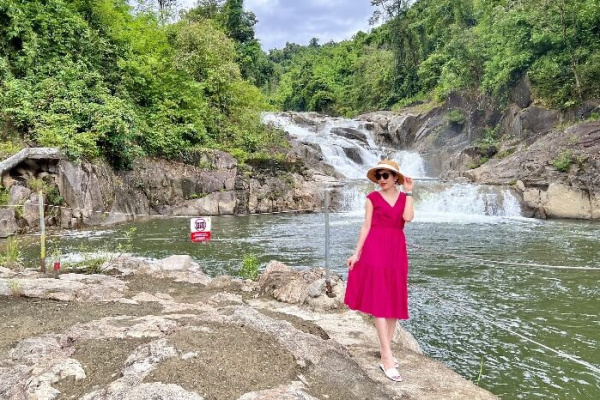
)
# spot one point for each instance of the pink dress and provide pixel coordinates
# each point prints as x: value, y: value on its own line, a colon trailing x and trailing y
x: 377, y: 284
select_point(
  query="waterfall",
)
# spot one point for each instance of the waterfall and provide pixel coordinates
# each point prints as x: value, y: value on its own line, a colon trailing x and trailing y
x: 350, y: 149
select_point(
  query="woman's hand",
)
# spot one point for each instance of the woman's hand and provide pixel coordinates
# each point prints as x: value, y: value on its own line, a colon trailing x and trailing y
x: 351, y: 261
x: 408, y: 184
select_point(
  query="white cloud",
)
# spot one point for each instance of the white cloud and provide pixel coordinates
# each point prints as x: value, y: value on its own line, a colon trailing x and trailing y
x: 298, y: 21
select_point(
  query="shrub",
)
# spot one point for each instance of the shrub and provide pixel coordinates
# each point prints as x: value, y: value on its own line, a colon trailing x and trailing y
x: 250, y: 267
x: 455, y: 117
x: 563, y: 161
x: 4, y: 196
x: 53, y: 196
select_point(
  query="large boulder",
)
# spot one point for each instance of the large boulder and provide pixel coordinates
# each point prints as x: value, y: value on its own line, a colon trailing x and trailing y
x: 8, y: 222
x: 302, y: 286
x: 558, y: 176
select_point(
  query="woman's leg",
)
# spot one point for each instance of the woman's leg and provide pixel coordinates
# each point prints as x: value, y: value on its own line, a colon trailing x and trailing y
x: 391, y: 328
x: 387, y: 359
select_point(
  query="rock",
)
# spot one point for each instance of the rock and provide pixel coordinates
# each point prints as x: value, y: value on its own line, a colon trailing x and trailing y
x: 299, y: 287
x: 18, y: 194
x: 8, y: 222
x: 565, y: 202
x: 521, y: 93
x: 69, y: 287
x: 350, y: 133
x: 31, y: 211
x: 154, y: 391
x: 124, y: 327
x: 334, y: 351
x: 293, y: 391
x: 221, y: 282
x: 546, y: 191
x: 175, y: 263
x: 354, y: 154
x: 225, y: 298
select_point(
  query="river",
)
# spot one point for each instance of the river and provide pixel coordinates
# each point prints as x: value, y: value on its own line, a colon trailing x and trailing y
x: 483, y: 279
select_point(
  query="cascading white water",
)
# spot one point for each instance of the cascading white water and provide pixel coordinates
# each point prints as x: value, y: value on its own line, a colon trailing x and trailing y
x: 338, y: 138
x: 465, y: 203
x: 334, y: 147
x: 327, y: 133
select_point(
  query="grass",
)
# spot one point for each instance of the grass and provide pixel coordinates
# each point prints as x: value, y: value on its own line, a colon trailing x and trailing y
x: 15, y: 288
x: 12, y: 256
x: 96, y: 261
x: 480, y: 371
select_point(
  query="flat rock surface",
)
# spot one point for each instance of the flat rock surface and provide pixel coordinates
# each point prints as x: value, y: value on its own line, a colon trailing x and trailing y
x: 154, y: 335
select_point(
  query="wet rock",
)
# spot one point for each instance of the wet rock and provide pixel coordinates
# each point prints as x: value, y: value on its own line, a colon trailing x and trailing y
x: 350, y: 133
x: 545, y: 191
x: 354, y: 154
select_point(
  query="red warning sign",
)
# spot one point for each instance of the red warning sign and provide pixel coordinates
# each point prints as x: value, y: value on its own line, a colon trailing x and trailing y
x: 200, y: 229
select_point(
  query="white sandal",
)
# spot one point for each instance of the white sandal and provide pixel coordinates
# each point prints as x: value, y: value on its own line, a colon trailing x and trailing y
x: 391, y: 373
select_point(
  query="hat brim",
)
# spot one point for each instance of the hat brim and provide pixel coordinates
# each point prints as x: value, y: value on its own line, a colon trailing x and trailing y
x: 372, y: 171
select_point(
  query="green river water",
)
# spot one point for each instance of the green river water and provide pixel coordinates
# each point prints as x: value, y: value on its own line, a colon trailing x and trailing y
x: 462, y: 301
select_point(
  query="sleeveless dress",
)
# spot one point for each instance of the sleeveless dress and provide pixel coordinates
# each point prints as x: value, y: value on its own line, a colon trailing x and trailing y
x: 377, y: 284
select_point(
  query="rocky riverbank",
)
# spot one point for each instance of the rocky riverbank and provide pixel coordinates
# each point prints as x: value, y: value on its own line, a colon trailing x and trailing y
x: 551, y: 159
x: 206, y: 182
x: 164, y: 330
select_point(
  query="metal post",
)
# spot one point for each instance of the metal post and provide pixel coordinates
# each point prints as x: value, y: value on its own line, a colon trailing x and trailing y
x: 43, y: 233
x: 328, y: 288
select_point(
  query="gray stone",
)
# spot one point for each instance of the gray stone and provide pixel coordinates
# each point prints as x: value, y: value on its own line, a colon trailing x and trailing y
x: 18, y: 194
x: 521, y: 94
x: 8, y: 222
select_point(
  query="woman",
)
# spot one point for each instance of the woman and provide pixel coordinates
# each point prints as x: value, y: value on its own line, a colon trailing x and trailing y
x: 378, y: 269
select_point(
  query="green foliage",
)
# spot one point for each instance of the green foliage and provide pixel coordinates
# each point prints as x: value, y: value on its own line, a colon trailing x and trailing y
x: 53, y: 196
x: 455, y: 117
x: 97, y: 80
x: 563, y: 161
x: 4, y: 196
x: 9, y: 148
x: 250, y: 267
x: 37, y: 185
x: 12, y: 254
x: 428, y: 49
x: 595, y: 116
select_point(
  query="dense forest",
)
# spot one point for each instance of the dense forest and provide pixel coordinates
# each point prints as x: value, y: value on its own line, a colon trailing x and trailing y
x: 105, y: 78
x: 427, y: 49
x: 101, y: 78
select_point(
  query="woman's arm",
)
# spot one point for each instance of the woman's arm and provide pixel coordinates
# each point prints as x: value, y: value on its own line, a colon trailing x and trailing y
x: 409, y: 210
x: 364, y: 231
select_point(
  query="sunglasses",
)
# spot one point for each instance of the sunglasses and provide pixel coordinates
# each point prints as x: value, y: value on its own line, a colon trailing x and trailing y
x: 384, y: 175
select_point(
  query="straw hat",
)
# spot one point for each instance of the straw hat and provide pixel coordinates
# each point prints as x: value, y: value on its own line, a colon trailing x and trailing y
x: 389, y: 165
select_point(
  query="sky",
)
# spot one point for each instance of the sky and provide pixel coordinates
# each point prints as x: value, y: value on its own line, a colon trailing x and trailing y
x: 298, y: 21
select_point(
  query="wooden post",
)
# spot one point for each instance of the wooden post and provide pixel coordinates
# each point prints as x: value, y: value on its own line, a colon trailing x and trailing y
x: 43, y: 233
